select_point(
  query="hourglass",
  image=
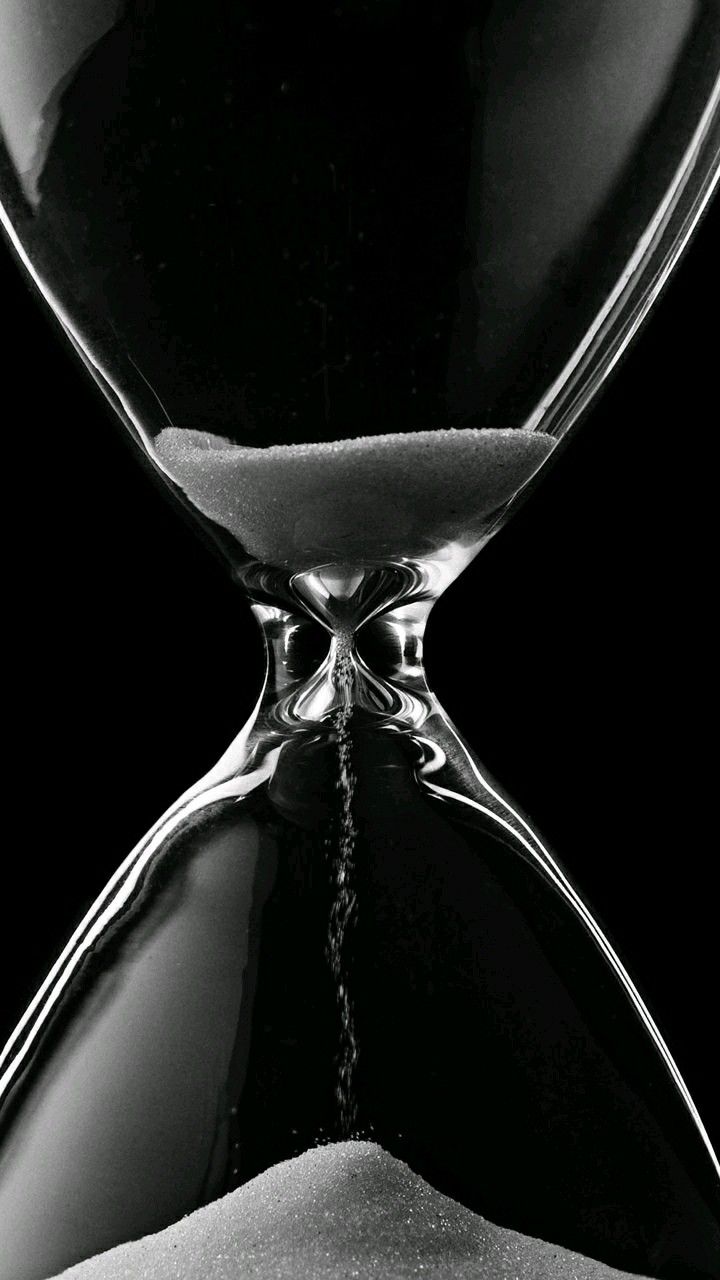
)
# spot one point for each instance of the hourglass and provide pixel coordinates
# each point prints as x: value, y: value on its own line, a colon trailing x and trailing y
x: 348, y: 277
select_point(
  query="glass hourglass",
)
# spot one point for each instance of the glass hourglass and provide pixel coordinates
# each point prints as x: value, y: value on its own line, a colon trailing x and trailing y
x: 348, y: 277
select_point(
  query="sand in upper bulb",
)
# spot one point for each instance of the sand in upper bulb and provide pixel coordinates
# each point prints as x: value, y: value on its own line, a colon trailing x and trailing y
x: 339, y: 1211
x: 375, y: 497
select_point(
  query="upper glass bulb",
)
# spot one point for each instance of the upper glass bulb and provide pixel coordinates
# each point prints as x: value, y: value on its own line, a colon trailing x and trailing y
x: 287, y: 224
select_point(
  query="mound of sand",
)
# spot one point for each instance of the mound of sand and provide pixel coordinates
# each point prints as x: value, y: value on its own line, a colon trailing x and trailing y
x: 373, y: 497
x: 340, y: 1211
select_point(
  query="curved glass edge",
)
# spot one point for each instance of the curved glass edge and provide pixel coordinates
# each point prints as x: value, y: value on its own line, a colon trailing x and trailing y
x: 125, y: 410
x: 108, y: 385
x: 646, y: 273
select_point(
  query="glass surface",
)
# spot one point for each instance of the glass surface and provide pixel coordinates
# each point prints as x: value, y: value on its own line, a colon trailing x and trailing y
x: 348, y: 276
x: 284, y: 225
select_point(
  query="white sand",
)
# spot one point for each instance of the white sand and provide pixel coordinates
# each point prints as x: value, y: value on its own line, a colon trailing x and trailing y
x: 373, y: 497
x: 340, y: 1211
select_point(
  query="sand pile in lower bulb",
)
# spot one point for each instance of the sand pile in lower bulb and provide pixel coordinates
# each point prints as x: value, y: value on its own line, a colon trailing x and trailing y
x: 340, y: 1211
x: 373, y: 497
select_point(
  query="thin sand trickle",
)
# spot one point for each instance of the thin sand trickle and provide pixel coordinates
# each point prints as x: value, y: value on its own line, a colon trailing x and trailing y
x: 373, y: 497
x: 344, y: 905
x: 336, y: 1212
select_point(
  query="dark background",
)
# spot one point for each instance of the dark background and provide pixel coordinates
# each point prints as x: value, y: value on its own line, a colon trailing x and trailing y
x: 577, y: 654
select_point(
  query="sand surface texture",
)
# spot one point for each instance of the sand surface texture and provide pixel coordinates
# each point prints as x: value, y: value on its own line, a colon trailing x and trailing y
x: 373, y: 497
x: 340, y: 1211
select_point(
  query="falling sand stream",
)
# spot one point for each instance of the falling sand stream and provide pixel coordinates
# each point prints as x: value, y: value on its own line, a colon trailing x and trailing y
x: 344, y: 901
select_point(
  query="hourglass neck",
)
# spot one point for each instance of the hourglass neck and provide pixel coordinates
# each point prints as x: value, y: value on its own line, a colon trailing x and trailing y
x: 344, y: 636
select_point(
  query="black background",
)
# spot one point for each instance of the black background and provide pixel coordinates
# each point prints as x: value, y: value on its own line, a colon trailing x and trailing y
x: 576, y: 653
